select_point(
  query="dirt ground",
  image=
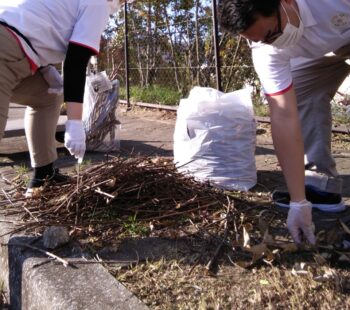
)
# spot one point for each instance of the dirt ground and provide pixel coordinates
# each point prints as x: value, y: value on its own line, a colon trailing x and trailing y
x: 180, y: 277
x: 245, y: 263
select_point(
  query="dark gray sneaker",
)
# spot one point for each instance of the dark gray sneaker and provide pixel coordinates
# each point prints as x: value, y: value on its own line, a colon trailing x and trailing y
x: 324, y: 201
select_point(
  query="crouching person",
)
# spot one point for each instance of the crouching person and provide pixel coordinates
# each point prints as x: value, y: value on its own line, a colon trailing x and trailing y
x: 33, y: 35
x: 299, y: 48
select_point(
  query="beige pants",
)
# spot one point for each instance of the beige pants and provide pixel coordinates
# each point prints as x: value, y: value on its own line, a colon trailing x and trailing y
x: 18, y: 85
x: 316, y: 82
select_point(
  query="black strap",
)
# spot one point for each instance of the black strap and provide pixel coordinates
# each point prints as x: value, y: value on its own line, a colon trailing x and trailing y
x: 15, y: 30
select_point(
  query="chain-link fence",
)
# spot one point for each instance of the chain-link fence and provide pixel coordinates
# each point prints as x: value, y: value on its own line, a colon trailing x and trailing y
x: 165, y: 48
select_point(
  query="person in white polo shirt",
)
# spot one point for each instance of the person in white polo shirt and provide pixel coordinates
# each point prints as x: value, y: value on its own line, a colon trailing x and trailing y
x: 34, y: 34
x: 300, y: 50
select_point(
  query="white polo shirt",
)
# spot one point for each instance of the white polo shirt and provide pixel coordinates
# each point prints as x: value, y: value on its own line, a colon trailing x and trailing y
x: 326, y: 28
x: 50, y: 25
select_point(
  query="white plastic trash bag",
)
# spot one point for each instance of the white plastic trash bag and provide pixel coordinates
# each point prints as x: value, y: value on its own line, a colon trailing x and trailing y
x: 99, y: 114
x: 214, y: 138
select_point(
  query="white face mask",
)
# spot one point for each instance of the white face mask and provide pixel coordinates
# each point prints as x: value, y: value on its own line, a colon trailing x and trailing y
x: 291, y: 34
x: 113, y: 5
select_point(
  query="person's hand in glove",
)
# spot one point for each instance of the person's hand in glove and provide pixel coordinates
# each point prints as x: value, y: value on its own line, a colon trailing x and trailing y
x: 74, y: 139
x: 300, y: 221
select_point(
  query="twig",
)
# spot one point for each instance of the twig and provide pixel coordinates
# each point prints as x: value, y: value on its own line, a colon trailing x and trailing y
x: 9, y: 199
x: 61, y: 260
x: 98, y: 191
x: 213, y: 263
x: 90, y: 262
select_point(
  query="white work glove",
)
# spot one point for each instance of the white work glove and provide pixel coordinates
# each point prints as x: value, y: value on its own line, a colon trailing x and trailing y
x: 53, y: 79
x: 74, y: 139
x: 300, y: 221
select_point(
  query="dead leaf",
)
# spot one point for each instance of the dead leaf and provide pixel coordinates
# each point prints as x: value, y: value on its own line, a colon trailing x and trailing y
x: 249, y: 227
x: 111, y: 182
x: 289, y: 248
x: 244, y: 264
x: 258, y: 251
x: 36, y: 193
x: 320, y: 260
x: 17, y: 195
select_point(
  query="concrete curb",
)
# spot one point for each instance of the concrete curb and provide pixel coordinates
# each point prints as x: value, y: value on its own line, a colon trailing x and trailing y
x: 34, y: 282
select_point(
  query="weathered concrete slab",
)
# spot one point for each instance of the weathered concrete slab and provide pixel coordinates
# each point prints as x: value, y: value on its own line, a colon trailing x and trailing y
x: 90, y: 287
x: 33, y: 282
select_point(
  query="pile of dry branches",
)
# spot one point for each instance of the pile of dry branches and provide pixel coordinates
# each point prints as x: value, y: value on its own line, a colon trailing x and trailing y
x: 143, y: 196
x: 111, y: 196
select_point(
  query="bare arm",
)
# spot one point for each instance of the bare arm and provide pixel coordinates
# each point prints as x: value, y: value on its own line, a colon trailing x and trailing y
x: 74, y: 110
x: 288, y: 141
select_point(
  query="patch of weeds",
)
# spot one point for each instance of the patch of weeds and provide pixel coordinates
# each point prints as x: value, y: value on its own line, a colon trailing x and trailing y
x: 261, y: 109
x: 22, y: 170
x: 153, y: 94
x: 341, y: 141
x: 339, y: 114
x: 3, y: 297
x: 134, y: 227
x: 22, y: 173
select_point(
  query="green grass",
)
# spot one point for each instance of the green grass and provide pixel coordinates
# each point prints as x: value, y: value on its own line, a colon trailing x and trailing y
x: 134, y: 227
x: 22, y: 170
x: 153, y: 94
x: 340, y: 116
x: 261, y: 109
x: 167, y: 95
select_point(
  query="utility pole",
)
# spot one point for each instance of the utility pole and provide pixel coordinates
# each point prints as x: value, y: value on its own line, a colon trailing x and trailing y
x: 216, y: 45
x: 126, y: 54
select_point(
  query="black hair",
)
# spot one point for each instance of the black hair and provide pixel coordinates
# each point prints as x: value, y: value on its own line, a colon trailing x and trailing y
x: 236, y: 16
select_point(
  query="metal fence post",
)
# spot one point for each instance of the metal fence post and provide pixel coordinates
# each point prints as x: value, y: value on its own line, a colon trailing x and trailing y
x: 216, y: 46
x: 126, y: 54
